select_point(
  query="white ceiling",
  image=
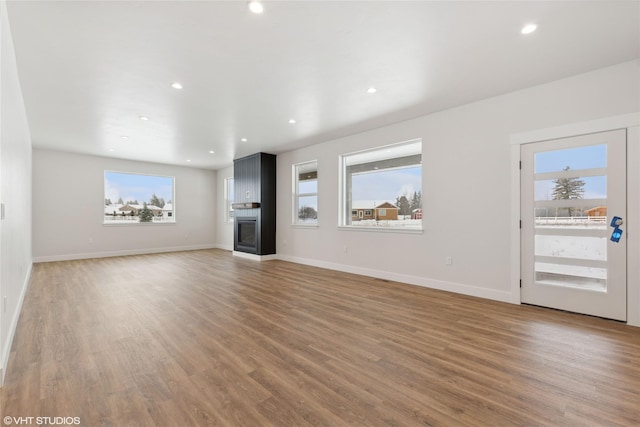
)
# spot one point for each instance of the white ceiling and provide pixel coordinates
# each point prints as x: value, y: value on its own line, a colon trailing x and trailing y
x: 89, y: 69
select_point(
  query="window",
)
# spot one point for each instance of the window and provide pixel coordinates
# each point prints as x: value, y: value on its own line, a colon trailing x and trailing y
x: 305, y: 193
x: 382, y: 187
x: 131, y: 198
x: 229, y: 199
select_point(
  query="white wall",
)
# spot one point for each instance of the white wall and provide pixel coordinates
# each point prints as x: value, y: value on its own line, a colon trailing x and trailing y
x: 15, y: 194
x: 466, y: 186
x: 68, y: 197
x: 224, y: 228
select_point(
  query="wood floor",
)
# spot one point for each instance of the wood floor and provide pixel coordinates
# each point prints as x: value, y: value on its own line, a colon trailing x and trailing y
x: 205, y: 338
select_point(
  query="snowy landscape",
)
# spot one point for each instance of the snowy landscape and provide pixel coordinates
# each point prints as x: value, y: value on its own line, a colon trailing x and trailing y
x: 409, y: 224
x: 576, y: 247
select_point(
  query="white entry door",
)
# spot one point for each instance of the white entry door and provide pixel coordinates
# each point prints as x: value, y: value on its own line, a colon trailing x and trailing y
x: 571, y: 190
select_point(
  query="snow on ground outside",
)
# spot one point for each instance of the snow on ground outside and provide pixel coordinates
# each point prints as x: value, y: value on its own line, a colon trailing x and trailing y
x: 579, y: 247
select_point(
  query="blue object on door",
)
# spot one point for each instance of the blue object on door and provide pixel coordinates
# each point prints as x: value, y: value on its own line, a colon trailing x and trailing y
x: 616, y: 235
x: 616, y: 221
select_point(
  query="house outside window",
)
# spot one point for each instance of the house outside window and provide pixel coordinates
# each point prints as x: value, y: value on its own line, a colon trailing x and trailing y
x: 305, y: 193
x: 133, y: 198
x: 381, y: 188
x: 228, y: 199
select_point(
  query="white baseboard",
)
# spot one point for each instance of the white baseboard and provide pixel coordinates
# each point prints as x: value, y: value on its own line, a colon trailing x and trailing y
x: 504, y: 296
x: 6, y: 351
x: 87, y: 255
x: 255, y: 257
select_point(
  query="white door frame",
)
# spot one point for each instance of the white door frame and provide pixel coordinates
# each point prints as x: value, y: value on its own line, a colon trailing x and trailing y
x: 631, y: 122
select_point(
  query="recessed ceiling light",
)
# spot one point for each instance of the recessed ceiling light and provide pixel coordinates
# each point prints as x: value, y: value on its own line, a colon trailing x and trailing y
x: 145, y: 118
x: 243, y: 139
x: 176, y: 85
x: 111, y: 149
x: 372, y: 90
x: 188, y: 160
x: 528, y: 29
x: 124, y: 137
x: 292, y: 121
x: 212, y: 152
x: 255, y: 7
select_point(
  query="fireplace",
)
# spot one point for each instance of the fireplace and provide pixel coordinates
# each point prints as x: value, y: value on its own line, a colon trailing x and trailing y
x: 246, y: 234
x: 254, y: 206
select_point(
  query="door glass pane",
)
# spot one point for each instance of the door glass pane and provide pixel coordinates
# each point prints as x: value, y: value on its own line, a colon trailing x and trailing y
x: 570, y: 217
x: 589, y: 187
x: 580, y: 247
x: 571, y: 247
x: 573, y: 276
x: 588, y: 157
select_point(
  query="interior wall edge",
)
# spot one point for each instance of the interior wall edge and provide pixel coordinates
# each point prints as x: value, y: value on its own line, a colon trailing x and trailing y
x: 224, y: 247
x: 6, y: 351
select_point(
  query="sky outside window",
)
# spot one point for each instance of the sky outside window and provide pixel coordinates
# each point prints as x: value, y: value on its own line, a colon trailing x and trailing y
x: 386, y: 185
x: 589, y: 157
x: 131, y: 187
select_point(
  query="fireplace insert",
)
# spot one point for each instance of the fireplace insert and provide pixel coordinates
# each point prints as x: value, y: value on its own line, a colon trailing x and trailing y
x: 246, y: 235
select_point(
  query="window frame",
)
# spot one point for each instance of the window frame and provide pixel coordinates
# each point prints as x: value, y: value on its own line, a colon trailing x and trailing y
x: 295, y: 200
x: 129, y: 223
x: 228, y: 201
x: 345, y: 204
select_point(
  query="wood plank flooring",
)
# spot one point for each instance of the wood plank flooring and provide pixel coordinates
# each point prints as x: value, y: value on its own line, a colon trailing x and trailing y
x: 205, y: 338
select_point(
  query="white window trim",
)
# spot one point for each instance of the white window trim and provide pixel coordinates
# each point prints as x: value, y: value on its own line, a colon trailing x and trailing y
x: 296, y: 196
x: 136, y: 223
x: 342, y: 202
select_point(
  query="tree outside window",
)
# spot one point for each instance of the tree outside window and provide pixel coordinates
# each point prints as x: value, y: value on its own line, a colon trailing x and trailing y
x: 140, y: 198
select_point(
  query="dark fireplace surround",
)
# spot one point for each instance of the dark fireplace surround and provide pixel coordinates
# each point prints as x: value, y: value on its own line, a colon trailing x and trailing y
x: 255, y: 204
